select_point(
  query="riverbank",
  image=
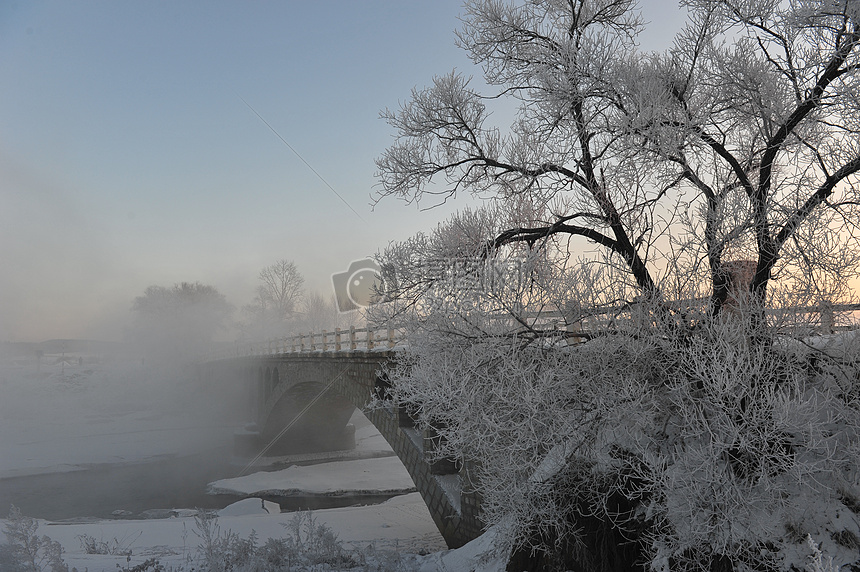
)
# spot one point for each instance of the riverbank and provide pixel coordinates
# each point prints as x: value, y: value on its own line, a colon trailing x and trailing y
x: 400, y: 525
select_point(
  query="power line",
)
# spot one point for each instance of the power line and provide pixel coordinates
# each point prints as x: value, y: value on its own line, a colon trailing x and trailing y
x: 309, y: 166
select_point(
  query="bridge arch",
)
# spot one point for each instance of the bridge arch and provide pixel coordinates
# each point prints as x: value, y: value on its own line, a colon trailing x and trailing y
x: 302, y: 417
x: 352, y: 379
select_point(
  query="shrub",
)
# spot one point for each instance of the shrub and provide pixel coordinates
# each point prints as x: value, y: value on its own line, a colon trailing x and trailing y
x: 115, y: 546
x: 27, y: 551
x: 222, y: 552
x: 688, y: 449
x: 308, y: 545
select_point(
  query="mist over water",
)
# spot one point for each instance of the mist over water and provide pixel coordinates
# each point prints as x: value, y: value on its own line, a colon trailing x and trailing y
x: 106, y: 429
x: 114, y: 422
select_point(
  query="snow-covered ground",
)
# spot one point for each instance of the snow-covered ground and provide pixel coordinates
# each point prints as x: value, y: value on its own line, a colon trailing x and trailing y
x: 65, y: 415
x: 402, y: 524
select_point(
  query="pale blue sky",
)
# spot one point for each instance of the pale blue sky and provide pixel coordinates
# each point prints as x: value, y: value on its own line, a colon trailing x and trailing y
x: 127, y: 157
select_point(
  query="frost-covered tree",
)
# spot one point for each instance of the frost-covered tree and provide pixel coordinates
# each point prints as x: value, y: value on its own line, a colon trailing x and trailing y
x: 179, y: 322
x: 712, y: 182
x: 279, y: 295
x: 740, y: 143
x: 755, y: 110
x: 600, y: 439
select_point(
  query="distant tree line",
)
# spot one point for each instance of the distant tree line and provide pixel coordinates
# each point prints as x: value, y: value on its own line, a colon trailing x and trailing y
x: 185, y: 320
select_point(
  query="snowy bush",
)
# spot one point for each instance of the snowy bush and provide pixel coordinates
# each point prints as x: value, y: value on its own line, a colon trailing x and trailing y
x: 308, y: 545
x: 817, y: 562
x: 222, y: 551
x: 115, y: 546
x: 26, y: 551
x: 688, y: 448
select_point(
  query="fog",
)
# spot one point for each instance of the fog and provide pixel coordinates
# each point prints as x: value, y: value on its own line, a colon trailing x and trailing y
x: 112, y: 429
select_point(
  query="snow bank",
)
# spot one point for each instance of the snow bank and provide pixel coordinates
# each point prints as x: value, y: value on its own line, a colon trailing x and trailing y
x: 366, y: 476
x: 487, y: 553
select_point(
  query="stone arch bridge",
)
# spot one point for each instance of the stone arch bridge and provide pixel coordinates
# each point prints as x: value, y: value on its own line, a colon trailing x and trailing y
x: 302, y: 392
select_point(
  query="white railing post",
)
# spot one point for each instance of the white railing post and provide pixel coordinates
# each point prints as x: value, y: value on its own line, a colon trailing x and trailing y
x: 352, y: 338
x: 324, y: 341
x: 337, y: 339
x: 313, y: 341
x: 369, y: 338
x: 301, y: 342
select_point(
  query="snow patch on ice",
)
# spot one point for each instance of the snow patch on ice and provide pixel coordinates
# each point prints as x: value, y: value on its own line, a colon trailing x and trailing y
x: 250, y: 506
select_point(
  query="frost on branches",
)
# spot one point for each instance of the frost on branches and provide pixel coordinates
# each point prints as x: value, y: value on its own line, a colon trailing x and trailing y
x: 612, y: 438
x: 674, y: 397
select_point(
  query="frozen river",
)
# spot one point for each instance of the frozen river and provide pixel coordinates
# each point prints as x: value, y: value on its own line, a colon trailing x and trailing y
x: 151, y: 490
x: 108, y: 491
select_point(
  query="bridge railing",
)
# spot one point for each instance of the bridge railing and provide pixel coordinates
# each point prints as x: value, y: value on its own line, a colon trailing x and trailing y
x: 821, y: 318
x: 339, y: 340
